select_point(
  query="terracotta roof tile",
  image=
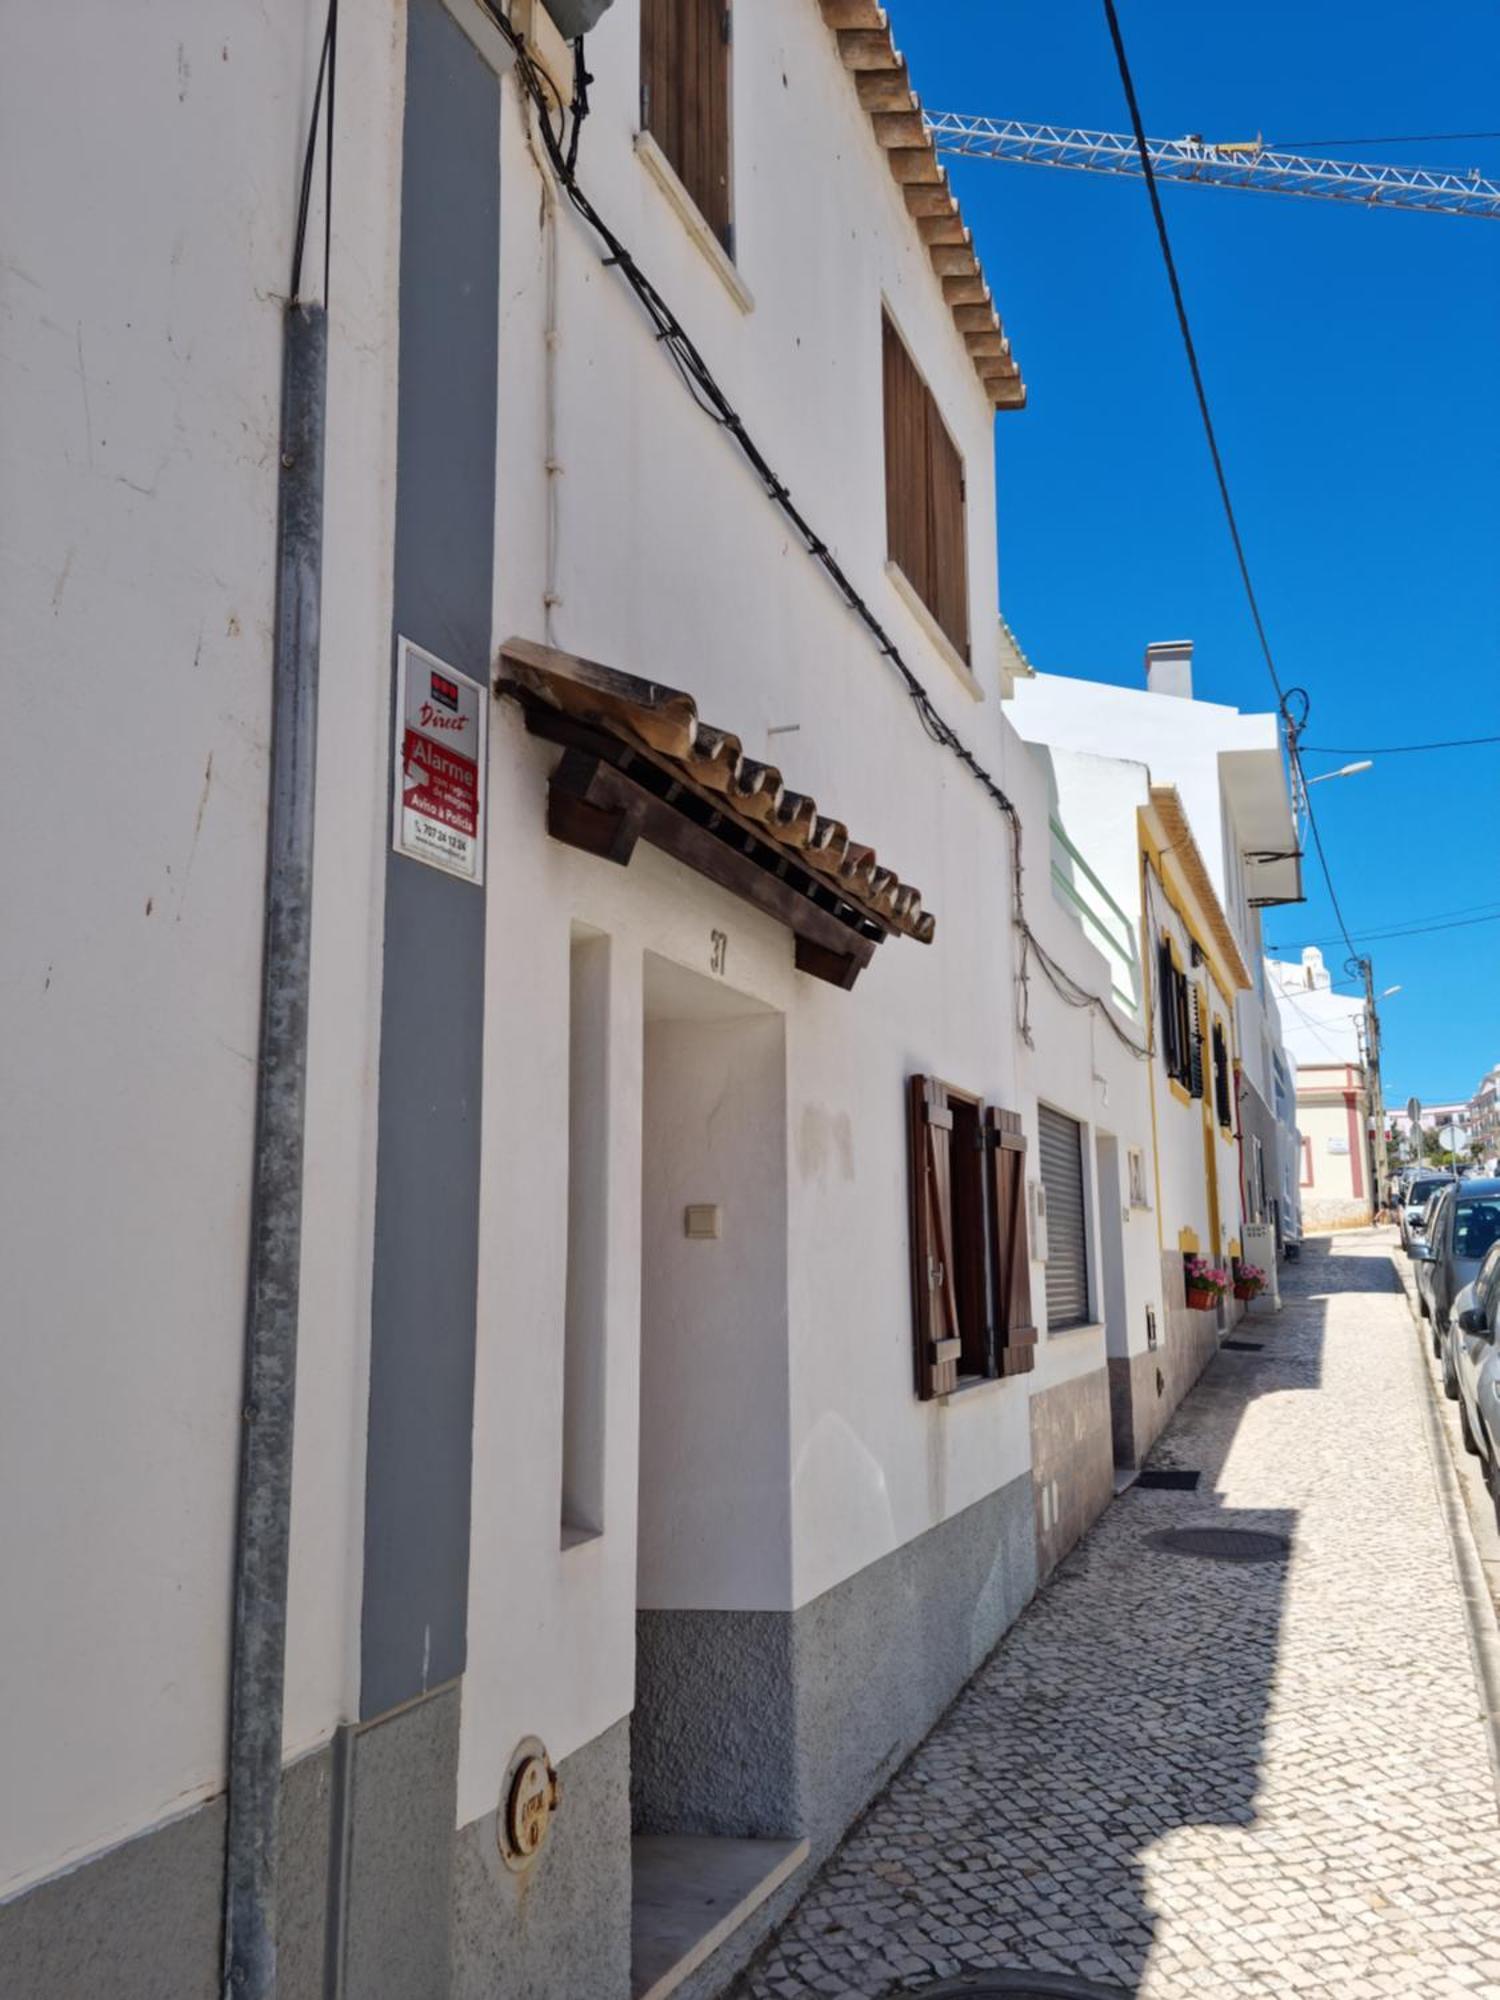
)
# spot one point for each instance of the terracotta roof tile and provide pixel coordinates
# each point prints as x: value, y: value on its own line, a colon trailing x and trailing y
x: 883, y: 85
x: 665, y: 721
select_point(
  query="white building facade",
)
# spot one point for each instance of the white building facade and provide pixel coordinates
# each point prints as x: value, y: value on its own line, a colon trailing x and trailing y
x: 1325, y: 1032
x: 1183, y: 808
x: 727, y: 1187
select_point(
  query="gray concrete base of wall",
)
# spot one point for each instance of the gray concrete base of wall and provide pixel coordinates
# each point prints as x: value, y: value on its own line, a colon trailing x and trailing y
x: 561, y: 1930
x: 747, y: 1724
x: 1072, y: 1462
x: 143, y: 1920
x: 776, y: 1723
x: 788, y: 1723
x: 1146, y: 1388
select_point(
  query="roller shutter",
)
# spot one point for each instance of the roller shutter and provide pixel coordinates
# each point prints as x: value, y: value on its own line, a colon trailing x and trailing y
x: 1060, y: 1152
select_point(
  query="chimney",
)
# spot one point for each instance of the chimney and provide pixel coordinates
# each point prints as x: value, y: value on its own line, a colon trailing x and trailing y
x: 1169, y: 667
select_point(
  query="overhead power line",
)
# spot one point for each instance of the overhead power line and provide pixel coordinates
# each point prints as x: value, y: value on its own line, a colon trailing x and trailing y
x: 1400, y: 749
x: 1411, y: 930
x: 1312, y: 827
x: 1390, y: 139
x: 1149, y: 171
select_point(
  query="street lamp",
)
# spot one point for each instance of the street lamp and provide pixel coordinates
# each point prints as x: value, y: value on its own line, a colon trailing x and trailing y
x: 1344, y: 771
x: 1389, y: 991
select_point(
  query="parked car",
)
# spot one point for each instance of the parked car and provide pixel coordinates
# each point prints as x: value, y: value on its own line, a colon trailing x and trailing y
x: 1476, y: 1318
x: 1461, y: 1224
x: 1423, y: 1265
x: 1419, y: 1191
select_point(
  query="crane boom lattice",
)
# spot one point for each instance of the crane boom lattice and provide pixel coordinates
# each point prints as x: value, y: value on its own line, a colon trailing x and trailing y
x: 1242, y: 164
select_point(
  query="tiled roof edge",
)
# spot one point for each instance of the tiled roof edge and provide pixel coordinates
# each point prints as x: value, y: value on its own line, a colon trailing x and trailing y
x: 878, y: 70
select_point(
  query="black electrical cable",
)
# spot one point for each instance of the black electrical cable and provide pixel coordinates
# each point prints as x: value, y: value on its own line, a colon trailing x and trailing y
x: 326, y: 58
x: 581, y: 82
x: 1283, y: 696
x: 1401, y: 749
x: 712, y: 400
x: 333, y: 67
x: 1391, y: 139
x: 1144, y: 152
x: 1312, y: 827
x: 1395, y: 933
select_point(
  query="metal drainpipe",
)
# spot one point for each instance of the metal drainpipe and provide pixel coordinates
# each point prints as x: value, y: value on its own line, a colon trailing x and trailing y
x: 260, y: 1568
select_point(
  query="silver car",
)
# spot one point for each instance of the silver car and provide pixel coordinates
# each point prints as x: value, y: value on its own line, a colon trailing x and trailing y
x: 1420, y: 1190
x: 1476, y: 1319
x: 1458, y: 1229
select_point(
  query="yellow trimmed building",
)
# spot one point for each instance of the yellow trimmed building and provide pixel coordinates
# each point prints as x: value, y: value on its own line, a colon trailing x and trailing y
x: 1194, y: 970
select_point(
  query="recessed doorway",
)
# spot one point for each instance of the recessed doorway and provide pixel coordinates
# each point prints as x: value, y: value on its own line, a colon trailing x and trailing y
x: 712, y: 1769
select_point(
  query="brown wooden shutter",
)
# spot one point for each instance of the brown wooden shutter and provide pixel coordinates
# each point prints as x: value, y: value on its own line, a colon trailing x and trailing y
x: 685, y: 98
x: 924, y: 493
x: 1195, y: 1080
x: 906, y: 505
x: 934, y: 1310
x: 949, y: 602
x: 1010, y: 1249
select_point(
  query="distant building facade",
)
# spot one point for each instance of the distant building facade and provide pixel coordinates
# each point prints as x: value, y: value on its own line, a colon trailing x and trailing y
x: 1324, y: 1032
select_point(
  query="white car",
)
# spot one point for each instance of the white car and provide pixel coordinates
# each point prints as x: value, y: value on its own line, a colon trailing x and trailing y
x: 1414, y: 1205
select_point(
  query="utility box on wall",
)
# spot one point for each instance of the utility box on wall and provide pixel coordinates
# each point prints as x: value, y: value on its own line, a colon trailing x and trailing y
x: 1259, y: 1239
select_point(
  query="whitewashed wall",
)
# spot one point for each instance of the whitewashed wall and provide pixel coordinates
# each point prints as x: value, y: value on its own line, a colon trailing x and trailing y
x: 672, y: 563
x: 151, y: 159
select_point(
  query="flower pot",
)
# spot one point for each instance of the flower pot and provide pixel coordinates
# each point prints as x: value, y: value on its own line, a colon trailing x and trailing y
x: 1247, y: 1291
x: 1201, y: 1301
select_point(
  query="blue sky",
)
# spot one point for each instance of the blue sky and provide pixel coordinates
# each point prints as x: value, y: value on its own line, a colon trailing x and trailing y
x: 1353, y: 368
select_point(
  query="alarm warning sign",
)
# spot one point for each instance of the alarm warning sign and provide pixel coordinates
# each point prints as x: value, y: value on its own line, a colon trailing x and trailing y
x: 442, y: 721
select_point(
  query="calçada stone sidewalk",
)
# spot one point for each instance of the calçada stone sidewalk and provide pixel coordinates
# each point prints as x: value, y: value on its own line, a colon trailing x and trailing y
x: 1184, y: 1777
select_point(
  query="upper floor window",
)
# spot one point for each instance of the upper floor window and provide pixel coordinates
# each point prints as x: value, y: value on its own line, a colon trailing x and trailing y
x: 1223, y: 1079
x: 1181, y: 1021
x: 685, y: 99
x: 924, y: 494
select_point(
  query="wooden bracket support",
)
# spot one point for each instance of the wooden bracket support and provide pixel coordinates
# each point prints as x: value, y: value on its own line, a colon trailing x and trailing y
x: 594, y: 805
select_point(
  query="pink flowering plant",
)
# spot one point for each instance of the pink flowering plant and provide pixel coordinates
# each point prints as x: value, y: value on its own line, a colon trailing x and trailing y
x: 1205, y: 1277
x: 1249, y: 1280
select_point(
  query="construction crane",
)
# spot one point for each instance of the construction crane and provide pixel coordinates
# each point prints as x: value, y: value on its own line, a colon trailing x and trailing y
x: 1204, y: 163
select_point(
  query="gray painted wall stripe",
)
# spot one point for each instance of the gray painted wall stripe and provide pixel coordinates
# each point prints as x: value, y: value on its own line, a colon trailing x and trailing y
x: 417, y: 1482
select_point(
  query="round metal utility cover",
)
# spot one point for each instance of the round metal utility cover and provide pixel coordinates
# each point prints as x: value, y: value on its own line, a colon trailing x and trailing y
x: 1234, y: 1545
x: 528, y: 1799
x: 1017, y: 1986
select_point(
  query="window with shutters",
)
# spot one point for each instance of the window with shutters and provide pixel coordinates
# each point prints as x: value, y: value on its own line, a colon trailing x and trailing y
x: 1060, y: 1150
x: 685, y: 99
x: 1223, y: 1090
x: 971, y: 1265
x: 1179, y: 1020
x: 924, y: 494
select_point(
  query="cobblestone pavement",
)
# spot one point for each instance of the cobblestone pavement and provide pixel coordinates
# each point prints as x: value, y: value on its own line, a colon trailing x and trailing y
x: 1189, y: 1778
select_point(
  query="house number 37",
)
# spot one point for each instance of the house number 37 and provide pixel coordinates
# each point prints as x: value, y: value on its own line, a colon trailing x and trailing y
x: 718, y: 951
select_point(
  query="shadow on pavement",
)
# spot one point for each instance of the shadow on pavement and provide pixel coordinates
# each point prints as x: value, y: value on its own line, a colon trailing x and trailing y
x: 1129, y: 1700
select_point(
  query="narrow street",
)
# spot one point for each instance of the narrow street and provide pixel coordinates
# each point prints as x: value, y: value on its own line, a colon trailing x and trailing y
x: 1181, y: 1776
